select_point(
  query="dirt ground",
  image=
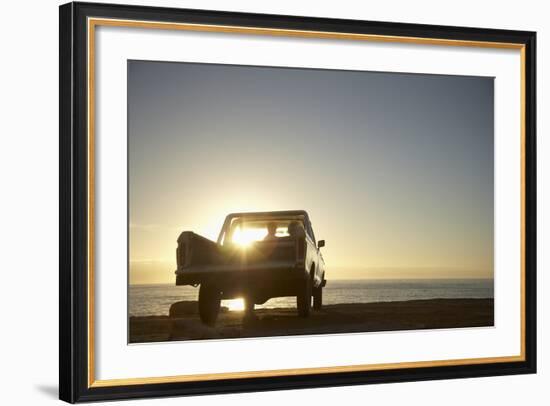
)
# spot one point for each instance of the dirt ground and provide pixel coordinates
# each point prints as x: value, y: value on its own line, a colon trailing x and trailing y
x: 183, y: 323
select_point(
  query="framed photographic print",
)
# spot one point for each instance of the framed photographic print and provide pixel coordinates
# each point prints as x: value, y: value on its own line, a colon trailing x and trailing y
x: 256, y: 202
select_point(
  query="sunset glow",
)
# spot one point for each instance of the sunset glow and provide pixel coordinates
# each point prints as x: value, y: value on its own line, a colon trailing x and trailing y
x: 246, y: 236
x: 234, y: 305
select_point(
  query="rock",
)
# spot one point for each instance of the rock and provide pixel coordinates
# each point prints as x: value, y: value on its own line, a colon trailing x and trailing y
x: 184, y: 308
x: 188, y: 308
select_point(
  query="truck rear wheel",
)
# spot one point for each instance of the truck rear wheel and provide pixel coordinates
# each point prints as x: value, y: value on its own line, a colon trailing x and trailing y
x: 248, y: 306
x: 303, y: 299
x: 209, y: 303
x: 318, y: 297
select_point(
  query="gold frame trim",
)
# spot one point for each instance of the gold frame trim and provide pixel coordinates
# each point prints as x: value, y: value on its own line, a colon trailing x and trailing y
x: 94, y: 22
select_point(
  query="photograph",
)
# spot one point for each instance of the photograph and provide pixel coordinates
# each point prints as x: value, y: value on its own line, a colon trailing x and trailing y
x: 258, y: 202
x: 268, y: 201
x: 279, y: 202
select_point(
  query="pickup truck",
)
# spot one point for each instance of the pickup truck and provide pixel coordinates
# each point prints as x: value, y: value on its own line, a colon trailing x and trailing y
x: 258, y: 256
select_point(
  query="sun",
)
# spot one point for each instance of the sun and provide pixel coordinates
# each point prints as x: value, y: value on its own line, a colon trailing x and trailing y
x: 245, y: 237
x: 234, y: 305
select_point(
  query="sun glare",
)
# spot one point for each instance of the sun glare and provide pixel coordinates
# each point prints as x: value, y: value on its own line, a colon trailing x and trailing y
x: 244, y: 237
x: 234, y: 304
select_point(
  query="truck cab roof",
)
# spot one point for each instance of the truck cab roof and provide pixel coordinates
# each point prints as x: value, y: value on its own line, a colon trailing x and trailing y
x: 267, y: 214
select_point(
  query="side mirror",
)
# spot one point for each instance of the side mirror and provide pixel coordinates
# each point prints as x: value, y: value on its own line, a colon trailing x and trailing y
x: 320, y: 243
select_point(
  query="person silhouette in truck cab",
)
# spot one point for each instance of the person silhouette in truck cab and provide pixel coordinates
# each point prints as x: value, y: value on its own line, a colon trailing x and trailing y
x: 271, y: 231
x: 295, y: 229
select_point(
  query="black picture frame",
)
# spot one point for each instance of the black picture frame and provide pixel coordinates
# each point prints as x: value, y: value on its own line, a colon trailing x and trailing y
x: 74, y: 385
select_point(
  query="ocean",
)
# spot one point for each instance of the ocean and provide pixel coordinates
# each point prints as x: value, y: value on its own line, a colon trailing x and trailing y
x: 155, y: 300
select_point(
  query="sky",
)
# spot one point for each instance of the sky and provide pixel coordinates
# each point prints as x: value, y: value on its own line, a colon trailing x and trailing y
x: 395, y: 170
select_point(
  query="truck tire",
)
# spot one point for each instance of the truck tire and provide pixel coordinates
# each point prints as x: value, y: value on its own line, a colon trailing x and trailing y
x: 248, y: 306
x: 303, y: 299
x: 209, y: 303
x: 318, y: 298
